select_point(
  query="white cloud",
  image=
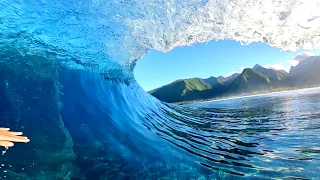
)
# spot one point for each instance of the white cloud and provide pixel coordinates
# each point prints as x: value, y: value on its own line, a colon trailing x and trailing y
x: 279, y: 66
x: 237, y: 71
x: 300, y: 57
x: 292, y: 62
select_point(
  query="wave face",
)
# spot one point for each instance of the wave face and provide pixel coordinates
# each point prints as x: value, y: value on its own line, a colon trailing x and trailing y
x: 66, y: 81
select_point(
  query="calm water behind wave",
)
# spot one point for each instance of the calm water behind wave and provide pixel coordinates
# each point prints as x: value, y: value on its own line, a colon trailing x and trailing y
x: 268, y: 136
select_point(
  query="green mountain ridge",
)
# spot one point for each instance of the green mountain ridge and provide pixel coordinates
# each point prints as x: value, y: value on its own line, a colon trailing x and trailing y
x: 187, y: 90
x: 271, y: 73
x: 250, y: 80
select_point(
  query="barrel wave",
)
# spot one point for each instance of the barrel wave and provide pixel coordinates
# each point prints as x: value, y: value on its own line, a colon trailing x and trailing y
x: 66, y: 81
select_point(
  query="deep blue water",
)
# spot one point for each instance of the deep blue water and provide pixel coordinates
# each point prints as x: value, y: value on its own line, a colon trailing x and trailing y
x: 66, y: 82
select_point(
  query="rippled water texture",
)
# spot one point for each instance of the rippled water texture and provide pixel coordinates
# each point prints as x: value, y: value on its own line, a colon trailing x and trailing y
x: 269, y: 136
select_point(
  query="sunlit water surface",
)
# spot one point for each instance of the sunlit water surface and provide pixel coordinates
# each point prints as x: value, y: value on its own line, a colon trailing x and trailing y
x: 267, y: 136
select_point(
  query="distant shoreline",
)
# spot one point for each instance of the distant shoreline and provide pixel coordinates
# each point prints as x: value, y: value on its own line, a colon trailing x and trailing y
x: 245, y: 96
x: 240, y: 97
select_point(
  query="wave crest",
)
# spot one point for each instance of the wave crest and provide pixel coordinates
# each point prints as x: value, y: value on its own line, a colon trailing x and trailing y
x: 104, y: 35
x: 286, y: 24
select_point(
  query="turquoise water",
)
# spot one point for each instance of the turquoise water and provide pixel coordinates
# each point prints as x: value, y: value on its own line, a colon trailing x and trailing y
x: 66, y: 82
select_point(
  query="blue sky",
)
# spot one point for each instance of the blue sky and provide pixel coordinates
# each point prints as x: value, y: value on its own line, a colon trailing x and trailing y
x: 216, y: 58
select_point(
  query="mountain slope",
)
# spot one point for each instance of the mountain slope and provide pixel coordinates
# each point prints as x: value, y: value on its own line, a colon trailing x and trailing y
x: 182, y: 90
x: 190, y: 89
x: 272, y: 74
x: 306, y: 72
x: 195, y: 84
x: 228, y: 80
x: 249, y: 80
x: 213, y: 81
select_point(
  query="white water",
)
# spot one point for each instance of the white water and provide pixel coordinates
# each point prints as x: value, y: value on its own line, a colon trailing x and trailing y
x: 103, y: 34
x: 265, y: 94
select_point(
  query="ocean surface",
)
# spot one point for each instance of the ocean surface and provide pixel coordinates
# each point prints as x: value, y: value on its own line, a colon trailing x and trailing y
x: 66, y: 82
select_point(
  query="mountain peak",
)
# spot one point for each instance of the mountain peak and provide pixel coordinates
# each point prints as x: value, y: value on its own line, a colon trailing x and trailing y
x: 257, y: 66
x: 211, y: 77
x: 232, y: 75
x: 246, y: 69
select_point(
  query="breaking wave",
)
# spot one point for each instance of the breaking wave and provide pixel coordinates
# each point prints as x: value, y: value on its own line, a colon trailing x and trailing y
x: 66, y: 81
x: 107, y: 35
